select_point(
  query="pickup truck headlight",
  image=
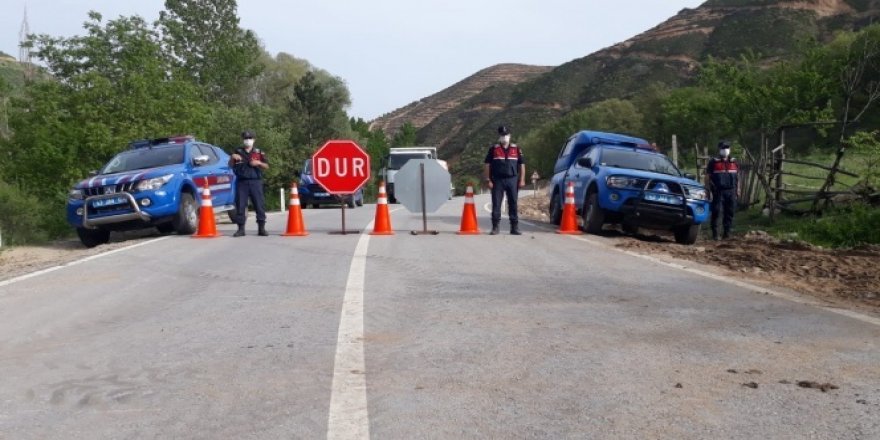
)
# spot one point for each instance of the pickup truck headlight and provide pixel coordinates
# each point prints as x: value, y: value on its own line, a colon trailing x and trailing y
x: 153, y: 184
x: 622, y: 182
x: 696, y: 192
x: 75, y: 194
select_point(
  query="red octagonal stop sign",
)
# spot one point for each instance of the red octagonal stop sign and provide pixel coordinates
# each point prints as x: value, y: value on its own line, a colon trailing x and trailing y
x: 341, y: 167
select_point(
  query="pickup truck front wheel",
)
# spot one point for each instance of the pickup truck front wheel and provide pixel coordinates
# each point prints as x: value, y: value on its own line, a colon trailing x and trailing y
x: 594, y: 215
x: 93, y: 237
x: 187, y: 218
x: 556, y: 209
x: 687, y: 234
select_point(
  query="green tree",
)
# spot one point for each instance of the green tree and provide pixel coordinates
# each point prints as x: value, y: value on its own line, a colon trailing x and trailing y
x: 753, y: 98
x: 111, y: 86
x: 694, y: 115
x: 406, y: 136
x: 314, y: 112
x: 206, y: 41
x: 650, y: 105
x: 542, y: 145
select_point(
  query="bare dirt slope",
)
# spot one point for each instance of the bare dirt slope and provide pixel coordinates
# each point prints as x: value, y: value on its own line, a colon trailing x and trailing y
x: 840, y: 277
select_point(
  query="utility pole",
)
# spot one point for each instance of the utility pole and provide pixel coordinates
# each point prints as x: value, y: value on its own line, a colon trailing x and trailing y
x: 24, y: 52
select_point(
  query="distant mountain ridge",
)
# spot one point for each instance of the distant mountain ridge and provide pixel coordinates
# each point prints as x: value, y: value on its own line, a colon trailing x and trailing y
x: 423, y: 111
x: 670, y: 53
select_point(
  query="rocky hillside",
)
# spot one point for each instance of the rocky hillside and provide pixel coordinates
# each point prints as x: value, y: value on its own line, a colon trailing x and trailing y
x: 422, y: 112
x: 669, y: 53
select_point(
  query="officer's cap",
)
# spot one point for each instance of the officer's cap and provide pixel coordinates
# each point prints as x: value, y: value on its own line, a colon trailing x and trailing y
x: 723, y: 144
x: 503, y: 130
x: 247, y: 134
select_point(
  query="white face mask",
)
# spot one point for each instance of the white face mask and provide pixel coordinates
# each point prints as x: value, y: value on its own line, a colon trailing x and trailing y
x: 248, y: 143
x: 504, y: 139
x: 725, y: 152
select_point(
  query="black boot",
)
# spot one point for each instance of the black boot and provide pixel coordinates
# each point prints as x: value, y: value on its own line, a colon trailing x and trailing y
x: 726, y: 234
x: 262, y: 230
x: 495, y: 230
x: 239, y: 232
x: 514, y: 229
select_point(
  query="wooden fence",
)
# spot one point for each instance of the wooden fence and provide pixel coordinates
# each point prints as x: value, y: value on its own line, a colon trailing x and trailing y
x: 762, y: 179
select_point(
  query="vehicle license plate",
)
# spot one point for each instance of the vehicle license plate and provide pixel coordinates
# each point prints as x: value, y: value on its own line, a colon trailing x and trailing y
x: 108, y: 202
x: 322, y: 194
x: 662, y: 198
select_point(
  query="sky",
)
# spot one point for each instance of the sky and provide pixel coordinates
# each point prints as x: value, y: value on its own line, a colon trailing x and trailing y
x: 393, y: 52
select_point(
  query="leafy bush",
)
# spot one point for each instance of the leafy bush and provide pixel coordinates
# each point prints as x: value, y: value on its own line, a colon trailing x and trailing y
x: 21, y: 219
x: 866, y: 145
x: 841, y: 228
x: 847, y: 227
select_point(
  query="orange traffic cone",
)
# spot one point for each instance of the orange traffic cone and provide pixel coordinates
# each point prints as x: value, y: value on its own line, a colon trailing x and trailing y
x: 207, y: 225
x: 569, y: 223
x: 295, y: 225
x: 469, y: 214
x: 382, y: 225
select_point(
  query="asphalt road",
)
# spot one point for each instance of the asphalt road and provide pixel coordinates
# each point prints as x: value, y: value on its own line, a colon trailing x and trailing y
x: 412, y: 337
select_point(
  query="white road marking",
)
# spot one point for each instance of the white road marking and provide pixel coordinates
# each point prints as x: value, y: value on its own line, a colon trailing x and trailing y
x: 80, y: 261
x: 349, y: 418
x: 752, y: 287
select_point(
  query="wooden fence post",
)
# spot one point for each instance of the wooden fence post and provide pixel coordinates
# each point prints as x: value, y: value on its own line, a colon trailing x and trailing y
x: 675, y: 150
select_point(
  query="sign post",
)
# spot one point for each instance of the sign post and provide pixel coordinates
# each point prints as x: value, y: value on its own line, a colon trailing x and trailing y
x: 342, y: 167
x: 422, y: 185
x: 535, y: 178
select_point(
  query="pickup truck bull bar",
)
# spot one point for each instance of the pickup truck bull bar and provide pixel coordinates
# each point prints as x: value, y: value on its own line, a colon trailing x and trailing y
x: 136, y: 215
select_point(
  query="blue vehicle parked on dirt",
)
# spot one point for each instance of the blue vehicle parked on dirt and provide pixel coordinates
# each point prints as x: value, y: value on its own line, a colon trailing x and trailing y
x: 155, y: 182
x: 623, y: 180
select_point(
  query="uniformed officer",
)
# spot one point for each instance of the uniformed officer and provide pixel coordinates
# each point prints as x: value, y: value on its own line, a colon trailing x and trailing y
x: 505, y: 174
x: 723, y: 180
x: 248, y: 164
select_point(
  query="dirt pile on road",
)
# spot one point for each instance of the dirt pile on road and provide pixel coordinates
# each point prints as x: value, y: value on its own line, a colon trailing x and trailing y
x: 850, y: 276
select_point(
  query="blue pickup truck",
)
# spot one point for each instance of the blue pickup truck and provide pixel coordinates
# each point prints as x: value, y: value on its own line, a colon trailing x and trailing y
x: 623, y: 180
x: 155, y: 182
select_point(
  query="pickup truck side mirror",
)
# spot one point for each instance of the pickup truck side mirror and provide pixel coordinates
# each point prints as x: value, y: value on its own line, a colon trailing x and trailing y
x: 93, y: 173
x: 585, y: 162
x: 690, y: 176
x: 297, y: 173
x: 201, y: 160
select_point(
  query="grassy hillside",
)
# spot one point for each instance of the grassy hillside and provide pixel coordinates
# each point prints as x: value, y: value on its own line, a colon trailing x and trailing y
x: 669, y: 53
x: 422, y: 112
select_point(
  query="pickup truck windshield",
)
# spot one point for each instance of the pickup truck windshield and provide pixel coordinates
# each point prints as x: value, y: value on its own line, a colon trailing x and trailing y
x: 638, y: 161
x: 143, y: 158
x: 307, y: 169
x: 397, y: 161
